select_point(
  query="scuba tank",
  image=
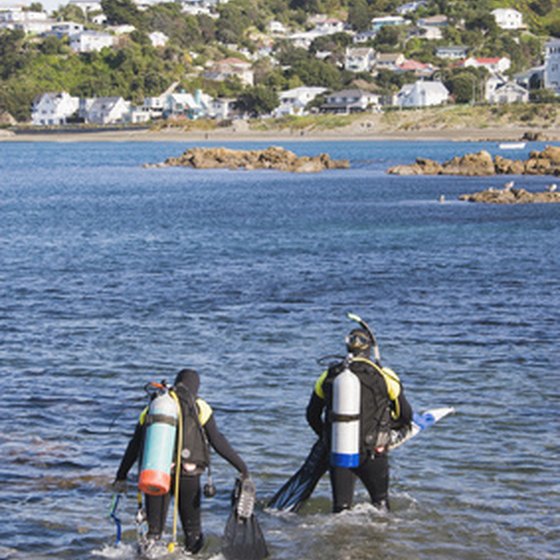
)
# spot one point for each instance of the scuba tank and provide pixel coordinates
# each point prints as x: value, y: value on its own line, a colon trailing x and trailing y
x: 159, y: 444
x: 345, y: 419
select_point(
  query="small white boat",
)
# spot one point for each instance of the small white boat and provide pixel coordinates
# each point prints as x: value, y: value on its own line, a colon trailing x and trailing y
x: 512, y: 145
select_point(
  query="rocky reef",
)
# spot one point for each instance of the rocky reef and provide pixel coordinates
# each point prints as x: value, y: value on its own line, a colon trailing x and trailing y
x: 271, y: 158
x: 513, y: 196
x: 545, y: 162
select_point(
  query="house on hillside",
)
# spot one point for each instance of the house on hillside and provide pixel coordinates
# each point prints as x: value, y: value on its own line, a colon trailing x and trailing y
x: 420, y: 69
x: 496, y: 65
x: 422, y: 94
x: 294, y: 101
x: 432, y: 27
x: 389, y: 61
x: 410, y: 7
x: 183, y: 104
x: 53, y: 109
x: 508, y: 18
x: 328, y: 26
x: 360, y: 59
x: 452, y: 52
x: 63, y: 29
x: 87, y: 6
x: 552, y: 65
x: 90, y: 41
x: 499, y: 90
x: 158, y: 39
x: 15, y: 18
x: 378, y: 22
x: 105, y: 110
x: 230, y: 68
x: 350, y: 101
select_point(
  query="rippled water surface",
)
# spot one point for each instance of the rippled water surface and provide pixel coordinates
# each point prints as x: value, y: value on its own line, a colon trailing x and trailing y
x: 113, y: 275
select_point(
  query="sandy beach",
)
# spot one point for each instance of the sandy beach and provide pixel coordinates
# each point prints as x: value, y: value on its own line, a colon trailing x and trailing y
x: 357, y: 132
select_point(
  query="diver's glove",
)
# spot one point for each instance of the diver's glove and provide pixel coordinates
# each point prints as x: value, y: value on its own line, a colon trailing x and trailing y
x: 120, y: 486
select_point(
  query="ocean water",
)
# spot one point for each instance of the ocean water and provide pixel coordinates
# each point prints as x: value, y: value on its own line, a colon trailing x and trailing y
x: 113, y: 275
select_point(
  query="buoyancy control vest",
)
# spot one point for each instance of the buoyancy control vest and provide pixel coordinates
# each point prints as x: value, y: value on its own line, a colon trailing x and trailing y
x: 195, y: 452
x: 379, y: 388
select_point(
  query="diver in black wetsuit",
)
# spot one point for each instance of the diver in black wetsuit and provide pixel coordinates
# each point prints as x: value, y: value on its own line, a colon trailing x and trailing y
x: 383, y: 407
x: 203, y: 429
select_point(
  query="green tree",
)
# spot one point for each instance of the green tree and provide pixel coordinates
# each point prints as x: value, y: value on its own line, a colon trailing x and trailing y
x: 313, y: 72
x: 388, y: 37
x: 70, y: 12
x: 358, y: 15
x: 13, y: 53
x: 235, y: 18
x: 121, y: 12
x: 258, y: 100
x: 464, y: 85
x: 54, y: 45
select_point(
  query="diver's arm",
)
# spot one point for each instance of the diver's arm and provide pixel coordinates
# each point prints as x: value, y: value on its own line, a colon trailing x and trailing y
x: 132, y: 452
x: 222, y: 446
x: 314, y: 412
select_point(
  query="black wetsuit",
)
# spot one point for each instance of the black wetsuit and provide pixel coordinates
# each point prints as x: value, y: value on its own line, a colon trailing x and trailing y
x: 189, y: 483
x: 380, y: 388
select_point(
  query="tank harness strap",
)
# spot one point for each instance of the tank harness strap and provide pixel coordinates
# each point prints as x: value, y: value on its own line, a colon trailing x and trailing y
x: 334, y: 417
x: 161, y: 418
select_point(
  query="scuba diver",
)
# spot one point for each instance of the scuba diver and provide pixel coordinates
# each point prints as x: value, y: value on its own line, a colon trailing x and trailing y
x: 353, y: 408
x: 199, y: 430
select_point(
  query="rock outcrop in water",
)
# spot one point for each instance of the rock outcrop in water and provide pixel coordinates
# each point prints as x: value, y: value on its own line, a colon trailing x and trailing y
x: 270, y: 158
x: 511, y: 196
x: 546, y: 162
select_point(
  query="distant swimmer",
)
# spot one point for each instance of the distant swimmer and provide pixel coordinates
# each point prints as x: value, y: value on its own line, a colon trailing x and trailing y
x: 442, y: 198
x: 551, y: 188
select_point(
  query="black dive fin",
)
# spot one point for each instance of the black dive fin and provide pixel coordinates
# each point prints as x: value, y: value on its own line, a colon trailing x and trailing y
x: 301, y: 485
x: 243, y: 537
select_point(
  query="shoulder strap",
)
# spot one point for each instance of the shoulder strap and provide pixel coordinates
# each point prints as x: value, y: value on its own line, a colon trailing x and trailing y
x: 392, y: 380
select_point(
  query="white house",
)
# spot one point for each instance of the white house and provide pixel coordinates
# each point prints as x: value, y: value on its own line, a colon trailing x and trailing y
x: 508, y: 18
x: 552, y: 65
x: 87, y: 6
x: 350, y: 101
x: 422, y: 94
x: 389, y: 61
x: 158, y: 39
x: 105, y: 110
x: 303, y: 39
x: 432, y: 27
x: 197, y: 7
x: 53, y: 108
x: 328, y: 26
x: 378, y: 22
x: 33, y: 26
x: 294, y: 101
x: 359, y: 59
x: 188, y: 105
x: 65, y: 29
x: 277, y: 28
x: 229, y: 68
x: 220, y: 108
x: 410, y: 7
x: 452, y: 52
x: 13, y: 17
x: 499, y: 90
x: 496, y: 64
x: 89, y: 41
